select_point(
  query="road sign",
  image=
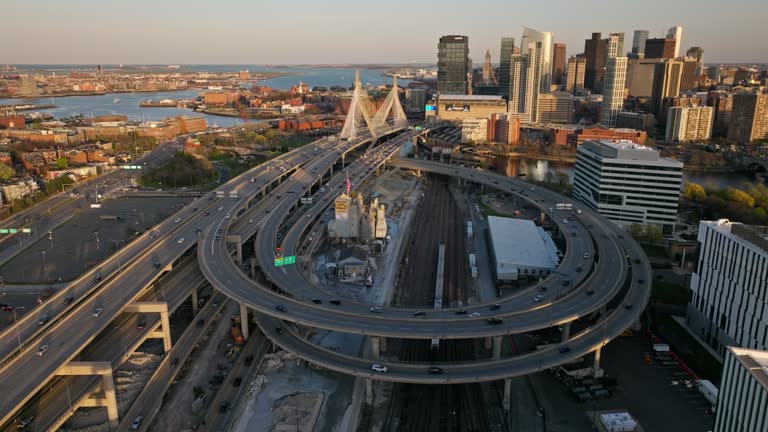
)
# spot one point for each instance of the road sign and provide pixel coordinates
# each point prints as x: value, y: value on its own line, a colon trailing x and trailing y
x: 279, y: 262
x: 13, y: 231
x: 4, y: 231
x: 28, y: 230
x: 306, y: 200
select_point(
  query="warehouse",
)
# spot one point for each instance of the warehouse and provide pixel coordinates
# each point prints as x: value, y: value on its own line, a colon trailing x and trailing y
x: 520, y: 250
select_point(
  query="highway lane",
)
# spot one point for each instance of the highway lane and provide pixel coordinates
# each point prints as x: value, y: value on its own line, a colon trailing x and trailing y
x: 122, y: 290
x: 114, y: 344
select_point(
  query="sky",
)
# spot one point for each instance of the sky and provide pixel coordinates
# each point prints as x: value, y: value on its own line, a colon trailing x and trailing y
x: 352, y: 31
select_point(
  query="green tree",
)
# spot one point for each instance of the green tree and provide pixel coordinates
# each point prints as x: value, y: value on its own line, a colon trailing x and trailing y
x: 694, y: 192
x: 260, y: 140
x: 6, y: 172
x: 653, y: 234
x: 271, y: 135
x: 62, y: 163
x: 636, y: 231
x: 739, y: 196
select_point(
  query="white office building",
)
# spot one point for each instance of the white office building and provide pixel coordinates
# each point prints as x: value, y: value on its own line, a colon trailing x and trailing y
x: 628, y: 183
x: 615, y: 79
x: 688, y: 124
x: 728, y: 302
x: 742, y: 404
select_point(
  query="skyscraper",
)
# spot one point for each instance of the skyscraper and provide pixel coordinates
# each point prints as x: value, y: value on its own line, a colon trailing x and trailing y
x: 594, y: 53
x: 638, y: 43
x: 619, y: 47
x: 544, y: 41
x: 698, y: 54
x: 689, y: 124
x: 574, y: 76
x: 558, y: 64
x: 524, y: 83
x: 660, y: 48
x: 666, y: 83
x: 615, y: 77
x: 676, y: 33
x: 505, y: 58
x: 749, y: 117
x: 453, y: 65
x: 488, y: 77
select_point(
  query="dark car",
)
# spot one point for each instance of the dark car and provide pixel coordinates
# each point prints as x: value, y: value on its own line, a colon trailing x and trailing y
x: 419, y: 314
x: 564, y: 350
x: 334, y: 301
x: 69, y: 300
x: 494, y: 306
x: 97, y: 279
x: 542, y: 289
x: 637, y: 261
x: 281, y: 308
x: 434, y: 370
x: 249, y: 360
x: 207, y: 213
x: 224, y: 407
x: 565, y: 283
x: 317, y: 301
x: 640, y: 281
x: 628, y: 307
x: 237, y: 382
x: 141, y: 324
x: 156, y: 265
x: 590, y: 292
x: 174, y: 362
x: 279, y: 331
x: 461, y: 312
x: 579, y: 269
x: 495, y: 320
x: 200, y: 323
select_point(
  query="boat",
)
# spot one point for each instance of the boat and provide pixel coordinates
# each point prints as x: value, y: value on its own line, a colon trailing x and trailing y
x: 116, y: 100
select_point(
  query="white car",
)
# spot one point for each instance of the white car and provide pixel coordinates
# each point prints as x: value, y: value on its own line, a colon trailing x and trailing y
x: 379, y: 368
x: 250, y: 220
x: 586, y: 256
x: 42, y: 350
x: 538, y: 298
x: 180, y: 240
x: 227, y: 216
x: 97, y: 312
x: 177, y: 220
x: 220, y: 208
x: 474, y: 315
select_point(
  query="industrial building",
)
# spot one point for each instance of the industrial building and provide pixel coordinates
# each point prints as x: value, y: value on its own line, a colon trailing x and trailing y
x: 628, y: 183
x: 730, y: 286
x: 520, y: 250
x: 354, y: 222
x: 743, y: 396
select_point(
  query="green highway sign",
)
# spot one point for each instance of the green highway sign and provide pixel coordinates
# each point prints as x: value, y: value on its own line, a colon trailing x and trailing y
x: 4, y: 231
x: 279, y: 262
x: 26, y: 230
x: 12, y: 230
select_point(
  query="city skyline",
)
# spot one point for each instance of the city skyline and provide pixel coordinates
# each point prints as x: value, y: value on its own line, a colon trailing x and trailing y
x: 97, y: 34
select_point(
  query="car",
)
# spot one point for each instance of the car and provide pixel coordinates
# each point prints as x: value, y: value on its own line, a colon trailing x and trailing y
x: 640, y: 281
x: 180, y: 240
x: 579, y: 269
x: 217, y: 237
x: 175, y: 362
x: 249, y: 360
x: 220, y: 230
x: 565, y: 221
x: 606, y: 236
x: 281, y: 308
x: 586, y: 256
x: 542, y: 289
x: 565, y: 283
x: 434, y: 370
x: 279, y: 330
x: 194, y: 209
x: 42, y: 350
x: 538, y: 298
x: 227, y: 216
x: 97, y: 279
x: 198, y: 230
x: 97, y: 312
x: 141, y: 324
x: 200, y: 323
x: 68, y: 300
x: 220, y: 208
x: 637, y: 261
x: 177, y: 220
x: 207, y: 213
x: 317, y: 301
x: 224, y: 407
x: 590, y: 292
x: 573, y: 234
x: 253, y: 179
x: 495, y: 320
x: 564, y: 350
x: 420, y: 314
x: 43, y: 319
x: 152, y: 235
x: 137, y: 422
x: 628, y: 307
x: 22, y: 424
x: 156, y: 265
x: 376, y: 309
x: 474, y: 314
x: 494, y: 306
x: 461, y: 312
x: 250, y: 220
x: 621, y: 236
x: 334, y: 301
x: 237, y: 382
x: 309, y: 215
x: 379, y: 368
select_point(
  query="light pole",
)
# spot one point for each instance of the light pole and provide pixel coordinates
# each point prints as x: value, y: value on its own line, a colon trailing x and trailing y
x: 97, y: 239
x: 15, y: 320
x: 117, y: 252
x: 44, y: 264
x: 50, y: 237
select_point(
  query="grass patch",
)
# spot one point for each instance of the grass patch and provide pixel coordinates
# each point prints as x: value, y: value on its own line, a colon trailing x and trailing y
x: 688, y: 348
x: 669, y: 293
x: 294, y: 141
x: 487, y: 210
x: 236, y: 166
x: 183, y: 170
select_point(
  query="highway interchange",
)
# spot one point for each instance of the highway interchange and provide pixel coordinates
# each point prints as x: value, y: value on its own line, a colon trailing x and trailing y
x: 264, y: 200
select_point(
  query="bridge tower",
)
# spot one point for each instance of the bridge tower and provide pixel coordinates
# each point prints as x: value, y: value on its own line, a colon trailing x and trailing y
x: 391, y: 106
x: 357, y: 117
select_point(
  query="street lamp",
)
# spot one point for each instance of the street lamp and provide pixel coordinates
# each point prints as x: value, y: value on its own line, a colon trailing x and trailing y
x: 117, y: 252
x: 44, y: 264
x: 15, y: 319
x: 97, y: 239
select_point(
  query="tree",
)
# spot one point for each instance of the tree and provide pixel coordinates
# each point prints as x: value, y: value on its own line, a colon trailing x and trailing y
x: 739, y: 196
x: 260, y: 140
x: 636, y: 231
x: 694, y: 192
x: 562, y: 178
x: 62, y: 163
x: 653, y: 234
x: 6, y: 172
x: 270, y: 135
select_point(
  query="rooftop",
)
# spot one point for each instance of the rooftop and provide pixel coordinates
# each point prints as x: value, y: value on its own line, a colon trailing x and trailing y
x: 519, y: 242
x: 754, y: 361
x: 469, y: 97
x: 625, y: 144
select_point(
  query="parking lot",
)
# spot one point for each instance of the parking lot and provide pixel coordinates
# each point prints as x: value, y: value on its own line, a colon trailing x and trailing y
x: 659, y: 393
x: 86, y: 239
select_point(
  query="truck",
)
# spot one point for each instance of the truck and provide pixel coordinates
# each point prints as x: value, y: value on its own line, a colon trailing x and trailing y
x: 709, y: 391
x: 661, y: 347
x: 472, y: 260
x: 470, y: 230
x: 96, y: 205
x: 109, y: 217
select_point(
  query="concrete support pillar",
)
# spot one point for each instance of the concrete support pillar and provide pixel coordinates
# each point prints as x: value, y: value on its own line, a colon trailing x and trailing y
x: 596, y: 365
x: 239, y: 253
x: 369, y: 391
x: 487, y: 343
x: 244, y: 320
x: 165, y: 322
x: 331, y: 170
x: 566, y: 332
x: 375, y: 347
x: 497, y: 347
x: 195, y: 308
x: 507, y: 394
x: 343, y: 156
x: 109, y: 392
x: 383, y: 344
x: 254, y: 264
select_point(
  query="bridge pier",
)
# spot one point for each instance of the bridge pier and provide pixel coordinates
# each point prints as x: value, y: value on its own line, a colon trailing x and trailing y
x: 566, y: 332
x: 596, y: 371
x: 376, y: 347
x: 487, y: 343
x: 507, y: 394
x: 110, y: 398
x: 383, y: 344
x: 163, y: 330
x: 195, y: 306
x: 497, y: 347
x: 369, y: 391
x: 244, y: 320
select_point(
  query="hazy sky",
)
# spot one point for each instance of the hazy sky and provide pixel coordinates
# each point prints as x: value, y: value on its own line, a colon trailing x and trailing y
x: 343, y: 31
